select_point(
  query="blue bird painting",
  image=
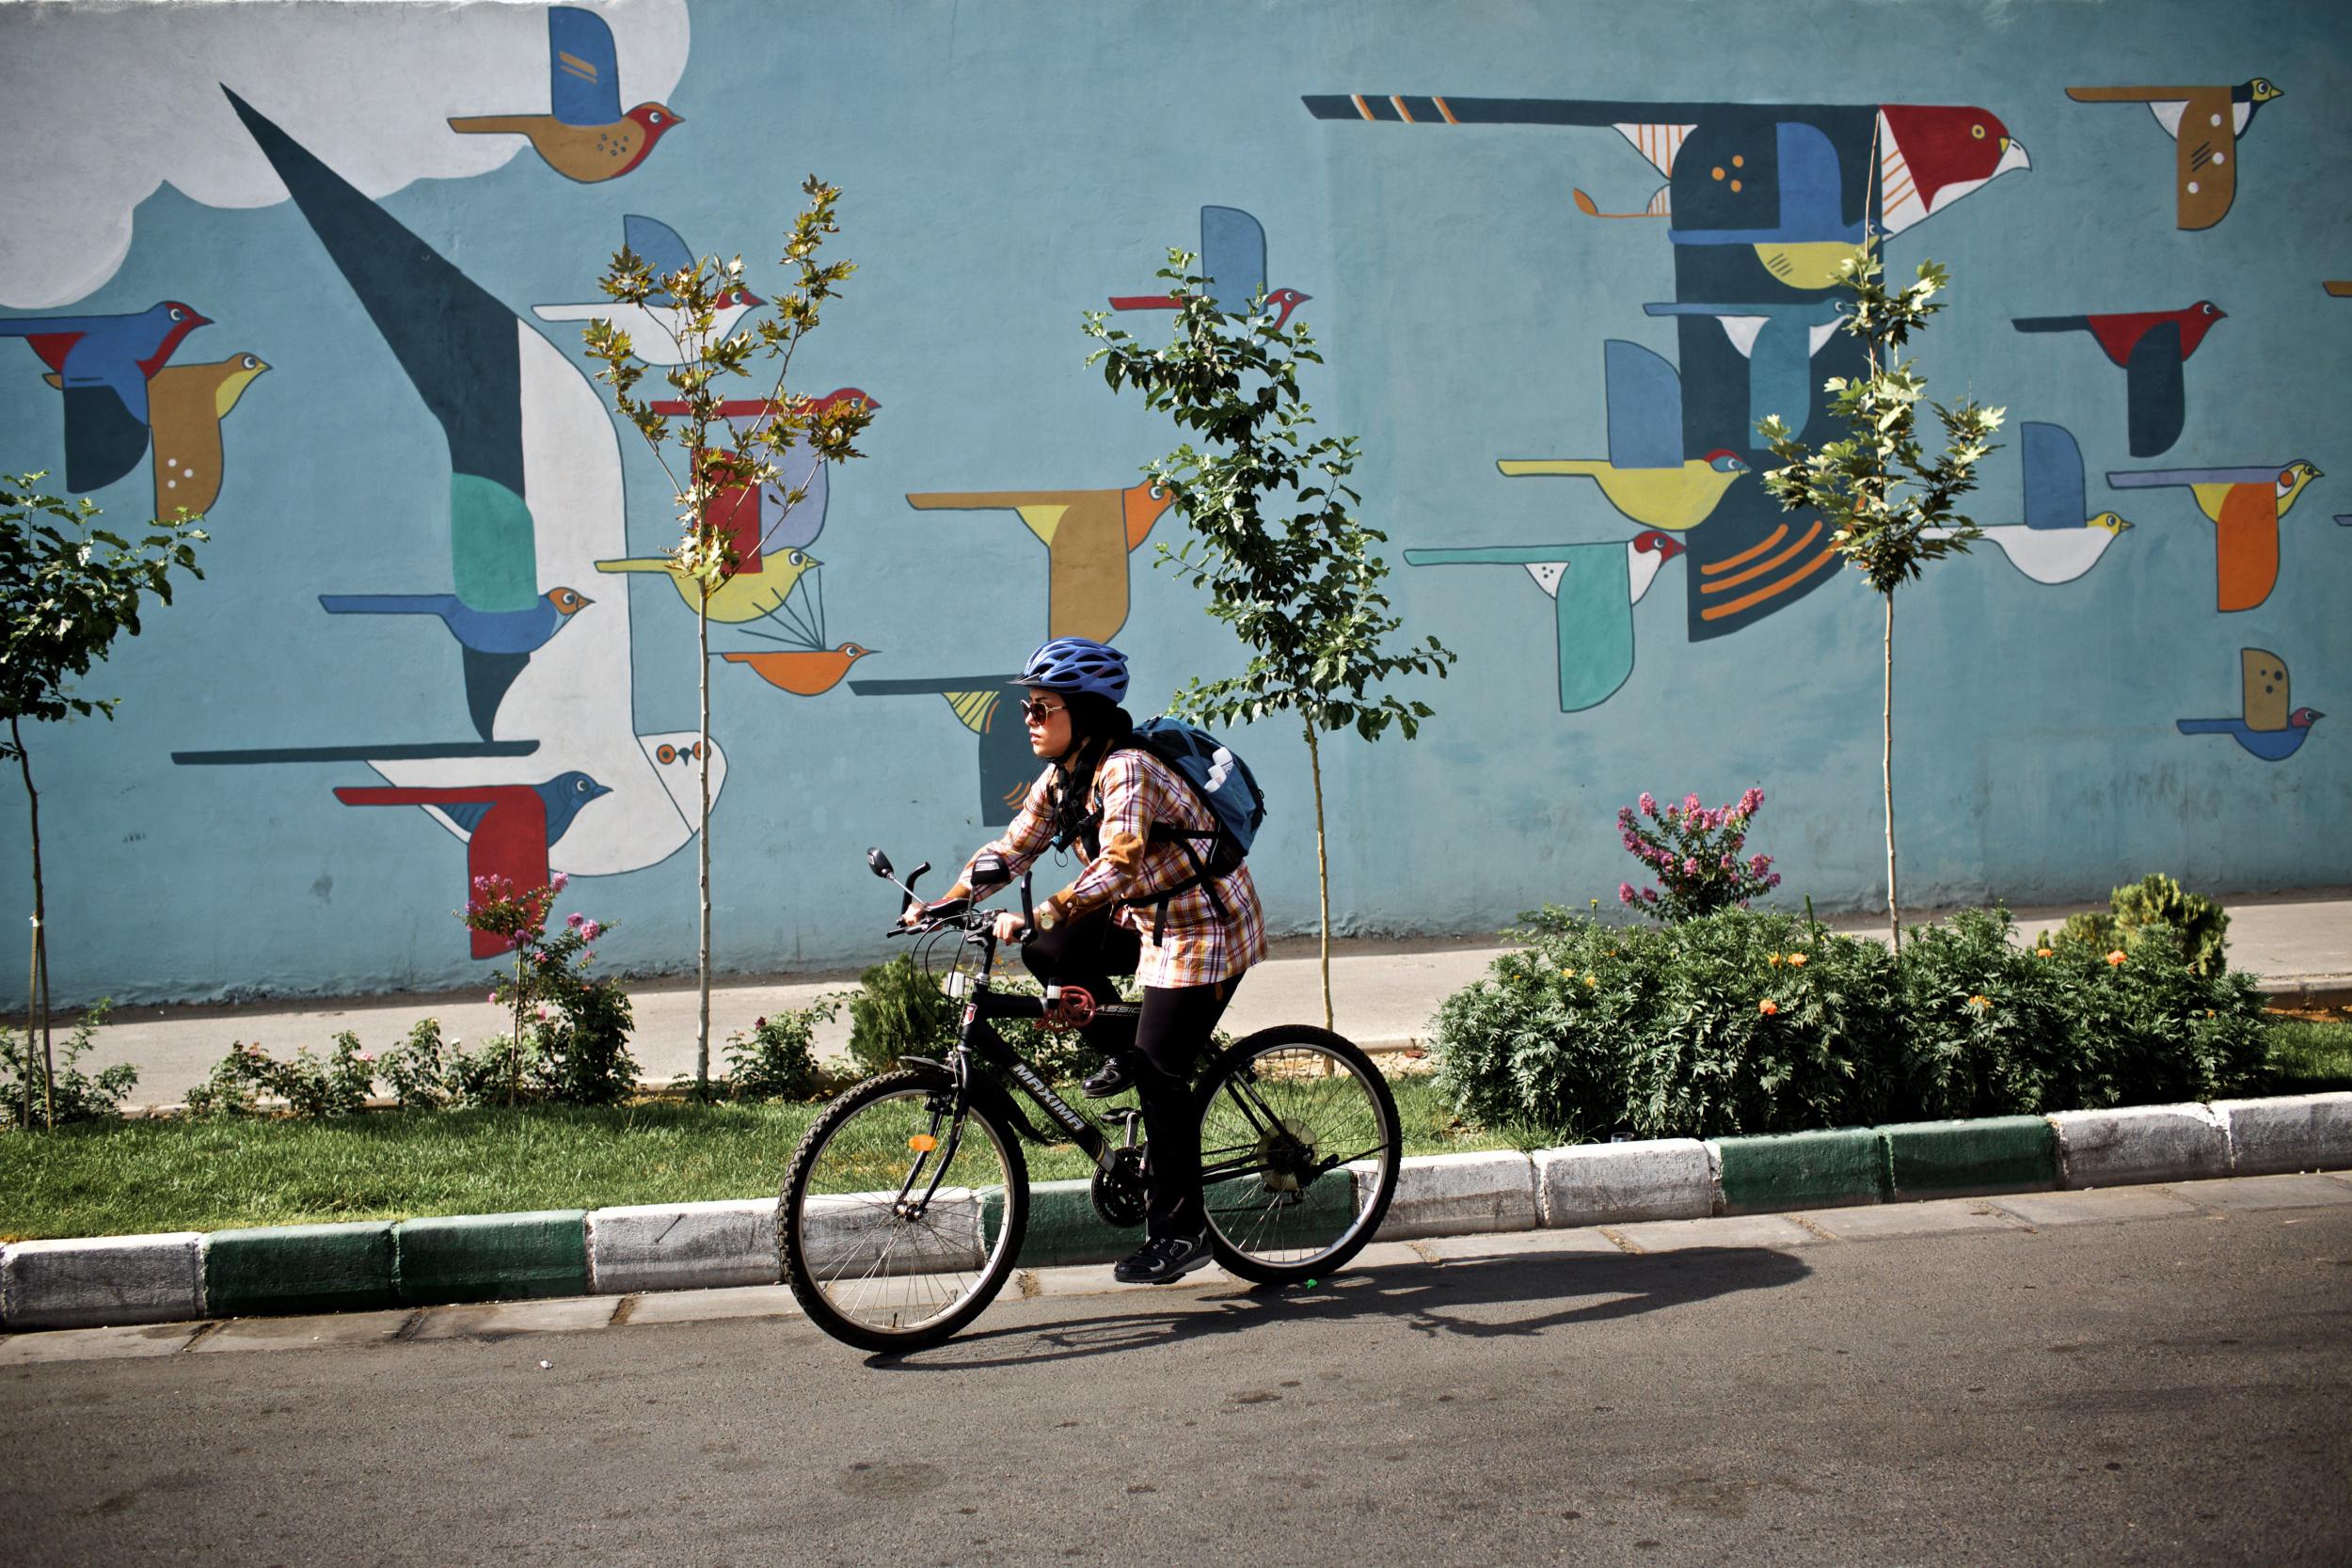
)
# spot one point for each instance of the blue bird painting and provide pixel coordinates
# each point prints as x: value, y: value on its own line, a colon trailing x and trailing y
x: 480, y: 631
x: 2265, y: 726
x: 102, y: 365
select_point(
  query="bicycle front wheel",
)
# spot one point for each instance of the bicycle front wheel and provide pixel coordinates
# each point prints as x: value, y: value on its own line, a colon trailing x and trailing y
x: 1299, y: 1146
x: 900, y: 1219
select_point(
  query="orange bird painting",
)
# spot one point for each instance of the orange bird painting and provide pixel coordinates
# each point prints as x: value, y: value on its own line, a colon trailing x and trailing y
x: 2245, y: 505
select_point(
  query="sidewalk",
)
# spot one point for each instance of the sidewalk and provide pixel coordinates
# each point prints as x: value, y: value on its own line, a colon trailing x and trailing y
x: 1383, y: 994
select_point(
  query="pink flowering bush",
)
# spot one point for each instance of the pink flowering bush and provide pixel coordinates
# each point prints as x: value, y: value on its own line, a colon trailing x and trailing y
x: 570, y: 1038
x: 1692, y: 851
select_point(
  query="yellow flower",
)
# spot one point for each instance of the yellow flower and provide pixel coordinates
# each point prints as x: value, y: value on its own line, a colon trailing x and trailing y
x: 1797, y: 958
x: 1592, y: 979
x: 2044, y: 952
x: 1768, y: 1006
x: 2116, y: 957
x: 1982, y: 1003
x: 1773, y: 960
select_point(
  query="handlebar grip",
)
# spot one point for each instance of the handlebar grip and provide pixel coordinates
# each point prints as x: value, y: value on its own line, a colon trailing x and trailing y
x: 1029, y: 904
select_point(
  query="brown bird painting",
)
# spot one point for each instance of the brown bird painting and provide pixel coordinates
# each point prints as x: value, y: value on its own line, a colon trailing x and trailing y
x: 585, y: 136
x: 2205, y: 124
x: 1088, y: 535
x: 185, y: 405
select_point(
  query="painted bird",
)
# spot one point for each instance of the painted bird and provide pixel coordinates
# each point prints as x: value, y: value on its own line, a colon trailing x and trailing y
x: 748, y: 593
x: 1233, y: 258
x: 1645, y: 475
x: 2265, y: 726
x: 2245, y: 505
x: 480, y: 631
x: 2204, y: 124
x: 777, y: 521
x: 2151, y: 346
x: 185, y: 405
x: 104, y: 365
x: 986, y: 706
x: 1790, y: 180
x: 803, y: 672
x: 1594, y: 589
x: 1088, y: 535
x: 1778, y: 341
x: 653, y: 327
x: 528, y: 434
x: 508, y: 829
x: 467, y: 356
x: 2058, y: 542
x: 585, y: 137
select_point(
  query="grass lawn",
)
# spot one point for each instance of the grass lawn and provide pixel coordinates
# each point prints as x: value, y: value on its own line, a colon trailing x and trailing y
x: 148, y: 1176
x: 2310, y: 1055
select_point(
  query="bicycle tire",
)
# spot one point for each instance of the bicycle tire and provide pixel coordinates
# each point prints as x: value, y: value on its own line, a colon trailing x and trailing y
x: 843, y: 1257
x: 1323, y: 1174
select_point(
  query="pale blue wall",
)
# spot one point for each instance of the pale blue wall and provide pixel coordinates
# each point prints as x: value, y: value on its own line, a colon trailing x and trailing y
x: 1008, y: 167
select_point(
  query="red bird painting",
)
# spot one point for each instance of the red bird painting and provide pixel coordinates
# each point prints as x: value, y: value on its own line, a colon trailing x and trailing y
x: 508, y: 828
x: 2151, y: 346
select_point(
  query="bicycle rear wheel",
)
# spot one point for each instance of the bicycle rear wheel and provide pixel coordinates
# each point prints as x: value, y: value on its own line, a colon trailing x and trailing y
x: 1299, y: 1146
x: 900, y: 1221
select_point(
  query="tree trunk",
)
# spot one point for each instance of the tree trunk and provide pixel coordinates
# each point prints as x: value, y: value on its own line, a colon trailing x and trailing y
x: 37, y: 989
x: 1886, y: 776
x: 1322, y: 870
x: 702, y: 774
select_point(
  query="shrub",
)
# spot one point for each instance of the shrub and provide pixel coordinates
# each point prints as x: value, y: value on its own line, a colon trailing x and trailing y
x: 777, y: 1058
x: 242, y: 1080
x: 2202, y: 926
x: 1746, y: 1021
x: 1694, y: 854
x: 77, y: 1096
x: 897, y: 1010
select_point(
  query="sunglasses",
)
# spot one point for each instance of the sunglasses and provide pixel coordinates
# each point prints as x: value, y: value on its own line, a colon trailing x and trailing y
x: 1036, y: 712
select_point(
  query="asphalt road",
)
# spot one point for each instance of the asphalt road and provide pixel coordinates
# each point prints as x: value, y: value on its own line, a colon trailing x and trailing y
x: 2161, y: 1390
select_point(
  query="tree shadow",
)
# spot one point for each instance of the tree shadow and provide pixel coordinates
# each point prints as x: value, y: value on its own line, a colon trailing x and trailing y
x: 1432, y: 1299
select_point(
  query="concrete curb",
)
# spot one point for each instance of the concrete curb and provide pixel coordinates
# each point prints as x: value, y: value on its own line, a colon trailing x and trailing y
x: 183, y: 1276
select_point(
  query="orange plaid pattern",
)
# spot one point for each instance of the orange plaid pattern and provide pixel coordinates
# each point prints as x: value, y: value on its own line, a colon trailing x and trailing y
x: 1135, y: 789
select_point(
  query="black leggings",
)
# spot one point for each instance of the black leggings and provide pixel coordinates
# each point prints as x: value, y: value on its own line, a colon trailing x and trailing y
x: 1172, y: 1033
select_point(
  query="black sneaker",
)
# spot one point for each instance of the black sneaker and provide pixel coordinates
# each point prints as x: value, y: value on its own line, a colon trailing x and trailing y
x: 1164, y: 1260
x: 1111, y: 1078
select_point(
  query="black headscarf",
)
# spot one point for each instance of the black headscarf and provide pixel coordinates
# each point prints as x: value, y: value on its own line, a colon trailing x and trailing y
x: 1095, y: 723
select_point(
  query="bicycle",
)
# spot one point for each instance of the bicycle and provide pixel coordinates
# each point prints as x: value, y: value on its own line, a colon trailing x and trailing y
x: 905, y: 1206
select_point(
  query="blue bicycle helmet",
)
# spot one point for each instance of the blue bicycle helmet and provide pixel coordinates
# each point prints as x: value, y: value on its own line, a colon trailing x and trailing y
x: 1078, y: 664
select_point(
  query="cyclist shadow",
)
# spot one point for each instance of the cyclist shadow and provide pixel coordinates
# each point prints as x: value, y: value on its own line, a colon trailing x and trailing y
x: 1456, y: 1298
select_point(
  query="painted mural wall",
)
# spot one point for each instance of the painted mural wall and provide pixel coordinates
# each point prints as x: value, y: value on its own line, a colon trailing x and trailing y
x: 320, y: 270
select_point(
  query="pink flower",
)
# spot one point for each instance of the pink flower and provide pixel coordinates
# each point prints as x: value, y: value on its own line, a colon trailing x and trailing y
x: 1750, y: 799
x: 1772, y: 880
x: 558, y: 882
x: 759, y: 1024
x: 1728, y: 863
x: 494, y: 996
x: 1649, y: 804
x: 589, y: 931
x: 1650, y: 895
x: 574, y: 919
x: 543, y: 1012
x: 1759, y: 865
x: 1625, y: 893
x: 1690, y: 866
x: 588, y: 956
x: 365, y: 1056
x: 1691, y: 802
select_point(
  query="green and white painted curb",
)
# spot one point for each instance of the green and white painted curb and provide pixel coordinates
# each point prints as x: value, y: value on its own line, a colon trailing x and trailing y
x: 310, y: 1267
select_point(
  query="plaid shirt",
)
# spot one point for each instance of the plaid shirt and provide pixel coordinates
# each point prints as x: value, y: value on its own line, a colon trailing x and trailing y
x: 1135, y: 789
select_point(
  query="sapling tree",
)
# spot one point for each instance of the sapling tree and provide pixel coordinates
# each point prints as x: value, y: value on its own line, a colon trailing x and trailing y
x: 717, y: 467
x: 67, y: 589
x: 1276, y: 540
x: 1891, y: 510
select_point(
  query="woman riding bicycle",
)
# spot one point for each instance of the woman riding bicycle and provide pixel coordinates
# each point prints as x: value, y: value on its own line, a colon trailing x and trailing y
x: 1137, y: 906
